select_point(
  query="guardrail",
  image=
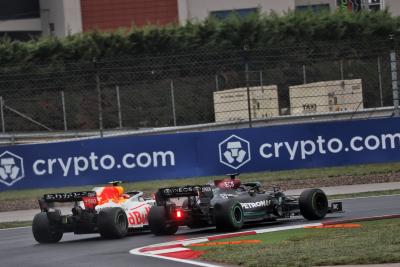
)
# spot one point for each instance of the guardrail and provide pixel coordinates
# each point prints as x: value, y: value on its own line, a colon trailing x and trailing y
x: 45, y: 137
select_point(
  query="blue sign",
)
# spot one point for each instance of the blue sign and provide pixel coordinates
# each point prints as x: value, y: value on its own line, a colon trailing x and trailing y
x: 167, y: 156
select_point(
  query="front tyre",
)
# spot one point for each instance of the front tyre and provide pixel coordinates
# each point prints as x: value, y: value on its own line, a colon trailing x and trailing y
x: 313, y: 204
x: 112, y: 223
x: 43, y: 231
x: 159, y: 222
x: 229, y: 215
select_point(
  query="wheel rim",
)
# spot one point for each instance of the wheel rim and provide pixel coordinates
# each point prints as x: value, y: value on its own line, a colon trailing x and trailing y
x: 121, y: 222
x: 237, y: 214
x: 320, y: 203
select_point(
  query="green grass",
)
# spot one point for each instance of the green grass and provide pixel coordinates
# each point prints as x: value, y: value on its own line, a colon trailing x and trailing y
x: 365, y: 194
x: 5, y: 225
x: 263, y: 177
x: 374, y: 243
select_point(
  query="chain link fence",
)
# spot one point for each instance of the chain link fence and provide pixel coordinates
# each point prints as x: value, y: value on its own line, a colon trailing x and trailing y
x: 203, y: 87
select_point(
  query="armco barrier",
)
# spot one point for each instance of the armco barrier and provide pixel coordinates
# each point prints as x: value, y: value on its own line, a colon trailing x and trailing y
x: 134, y: 158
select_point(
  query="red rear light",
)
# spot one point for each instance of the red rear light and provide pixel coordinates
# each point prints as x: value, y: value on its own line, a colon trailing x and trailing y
x: 179, y: 214
x: 89, y: 202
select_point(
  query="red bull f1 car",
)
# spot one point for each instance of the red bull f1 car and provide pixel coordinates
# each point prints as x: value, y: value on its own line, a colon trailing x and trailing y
x: 228, y: 204
x: 106, y: 210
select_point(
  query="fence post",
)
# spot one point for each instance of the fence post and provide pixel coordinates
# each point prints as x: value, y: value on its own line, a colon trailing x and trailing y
x: 393, y: 69
x: 99, y: 99
x: 304, y: 74
x: 341, y: 70
x: 119, y: 107
x: 173, y: 101
x: 261, y: 80
x: 216, y: 83
x: 64, y: 111
x: 380, y: 80
x: 246, y: 69
x: 3, y: 126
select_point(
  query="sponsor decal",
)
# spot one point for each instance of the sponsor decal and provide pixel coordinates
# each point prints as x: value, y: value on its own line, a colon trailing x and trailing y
x: 258, y: 204
x: 186, y: 190
x: 234, y: 152
x: 11, y: 168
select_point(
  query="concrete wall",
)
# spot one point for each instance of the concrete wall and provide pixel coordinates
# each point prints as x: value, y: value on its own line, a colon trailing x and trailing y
x: 64, y: 15
x: 16, y: 25
x: 393, y: 6
x: 199, y: 10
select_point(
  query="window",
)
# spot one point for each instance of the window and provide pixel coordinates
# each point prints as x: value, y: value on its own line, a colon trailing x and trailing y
x: 222, y: 14
x: 19, y: 9
x: 313, y: 8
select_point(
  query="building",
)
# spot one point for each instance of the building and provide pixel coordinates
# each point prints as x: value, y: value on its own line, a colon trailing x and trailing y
x: 23, y: 19
x: 328, y: 96
x: 232, y: 104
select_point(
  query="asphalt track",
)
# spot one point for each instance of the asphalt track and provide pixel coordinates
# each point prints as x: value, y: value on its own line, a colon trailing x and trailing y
x: 18, y: 248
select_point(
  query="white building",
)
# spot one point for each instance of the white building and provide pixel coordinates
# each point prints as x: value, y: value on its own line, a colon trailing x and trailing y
x: 25, y: 18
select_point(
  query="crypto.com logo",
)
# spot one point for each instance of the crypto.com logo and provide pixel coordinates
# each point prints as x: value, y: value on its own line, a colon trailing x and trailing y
x: 11, y: 168
x: 234, y: 152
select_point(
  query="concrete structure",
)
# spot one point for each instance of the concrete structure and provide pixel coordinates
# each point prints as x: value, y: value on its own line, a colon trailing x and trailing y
x: 328, y: 96
x: 199, y: 10
x: 22, y: 19
x: 232, y: 105
x: 60, y: 17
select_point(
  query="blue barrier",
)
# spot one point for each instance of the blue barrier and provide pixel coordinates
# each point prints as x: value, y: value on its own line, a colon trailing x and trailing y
x: 138, y: 158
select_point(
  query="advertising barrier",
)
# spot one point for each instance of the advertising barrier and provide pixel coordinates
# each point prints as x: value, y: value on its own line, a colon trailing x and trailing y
x: 167, y: 156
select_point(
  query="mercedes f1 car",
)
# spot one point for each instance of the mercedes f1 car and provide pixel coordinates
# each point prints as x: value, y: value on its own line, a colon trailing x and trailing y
x: 228, y: 204
x: 106, y: 210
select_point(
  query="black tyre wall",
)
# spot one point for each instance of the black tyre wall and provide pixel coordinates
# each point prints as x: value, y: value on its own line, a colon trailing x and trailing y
x: 159, y: 222
x: 229, y: 215
x: 112, y: 223
x: 44, y: 231
x: 313, y: 204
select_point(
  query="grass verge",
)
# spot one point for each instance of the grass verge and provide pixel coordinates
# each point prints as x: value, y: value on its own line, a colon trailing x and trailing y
x: 266, y: 178
x: 365, y: 194
x: 5, y: 225
x: 373, y: 243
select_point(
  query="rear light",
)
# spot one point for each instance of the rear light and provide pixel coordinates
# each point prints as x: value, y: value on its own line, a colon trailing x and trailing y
x: 89, y: 202
x: 178, y: 214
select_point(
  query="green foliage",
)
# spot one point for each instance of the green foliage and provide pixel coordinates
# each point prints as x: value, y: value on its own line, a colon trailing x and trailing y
x: 255, y: 31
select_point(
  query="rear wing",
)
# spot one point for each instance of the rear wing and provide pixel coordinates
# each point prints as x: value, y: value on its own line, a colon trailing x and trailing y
x: 203, y: 191
x: 65, y: 197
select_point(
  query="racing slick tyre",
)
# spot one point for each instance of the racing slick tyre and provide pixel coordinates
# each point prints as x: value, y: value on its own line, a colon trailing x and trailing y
x: 229, y: 215
x: 159, y: 223
x: 112, y: 223
x: 44, y: 231
x: 313, y: 204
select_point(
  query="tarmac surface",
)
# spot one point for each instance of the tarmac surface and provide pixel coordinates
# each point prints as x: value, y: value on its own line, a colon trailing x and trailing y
x: 18, y: 247
x: 27, y: 215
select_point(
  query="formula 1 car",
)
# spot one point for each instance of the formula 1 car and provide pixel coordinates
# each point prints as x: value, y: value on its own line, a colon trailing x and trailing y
x: 106, y: 210
x: 228, y: 204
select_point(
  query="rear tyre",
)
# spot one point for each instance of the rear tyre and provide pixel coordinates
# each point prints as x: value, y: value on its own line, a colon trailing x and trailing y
x: 112, y: 223
x: 313, y: 204
x: 159, y: 222
x: 229, y: 215
x: 44, y: 231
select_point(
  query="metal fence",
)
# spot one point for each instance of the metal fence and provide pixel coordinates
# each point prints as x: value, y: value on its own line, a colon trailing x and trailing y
x: 202, y: 87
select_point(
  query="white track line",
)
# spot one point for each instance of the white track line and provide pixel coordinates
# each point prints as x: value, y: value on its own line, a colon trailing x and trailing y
x: 186, y: 242
x: 15, y: 228
x: 350, y: 198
